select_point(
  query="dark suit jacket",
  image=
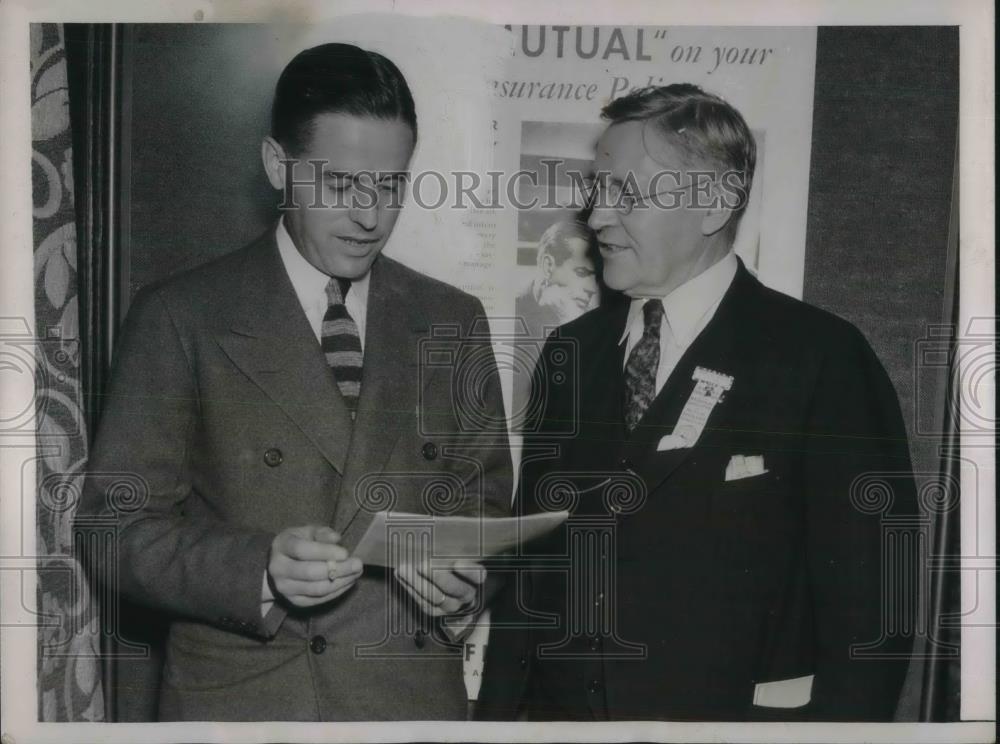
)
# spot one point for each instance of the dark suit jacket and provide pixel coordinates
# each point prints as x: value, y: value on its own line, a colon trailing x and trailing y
x: 532, y: 326
x: 710, y: 586
x: 224, y: 413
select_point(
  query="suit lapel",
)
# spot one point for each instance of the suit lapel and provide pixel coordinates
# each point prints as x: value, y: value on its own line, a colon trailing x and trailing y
x: 271, y: 342
x: 389, y: 384
x: 597, y: 410
x: 604, y: 371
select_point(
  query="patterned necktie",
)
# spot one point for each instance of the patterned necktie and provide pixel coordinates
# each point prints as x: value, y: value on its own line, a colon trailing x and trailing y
x: 342, y: 343
x: 640, y: 371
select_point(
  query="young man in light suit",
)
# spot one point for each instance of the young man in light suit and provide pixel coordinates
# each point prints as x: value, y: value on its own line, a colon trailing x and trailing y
x: 267, y: 405
x: 730, y: 456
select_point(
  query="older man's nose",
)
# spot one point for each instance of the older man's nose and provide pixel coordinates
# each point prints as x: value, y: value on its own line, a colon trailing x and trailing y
x: 602, y: 216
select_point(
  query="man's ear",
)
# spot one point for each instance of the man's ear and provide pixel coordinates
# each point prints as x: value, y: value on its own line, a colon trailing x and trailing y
x: 714, y: 220
x: 547, y: 264
x: 271, y: 154
x: 718, y: 216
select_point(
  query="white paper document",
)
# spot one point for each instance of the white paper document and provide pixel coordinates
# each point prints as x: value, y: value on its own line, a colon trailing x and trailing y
x: 394, y: 536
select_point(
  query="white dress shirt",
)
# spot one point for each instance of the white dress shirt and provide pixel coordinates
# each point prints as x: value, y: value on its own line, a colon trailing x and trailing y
x: 309, y: 284
x: 687, y: 310
x: 310, y: 287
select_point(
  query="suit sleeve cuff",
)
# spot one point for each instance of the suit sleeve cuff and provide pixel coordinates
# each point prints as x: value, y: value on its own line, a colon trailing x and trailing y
x: 271, y: 612
x: 250, y: 617
x: 273, y: 619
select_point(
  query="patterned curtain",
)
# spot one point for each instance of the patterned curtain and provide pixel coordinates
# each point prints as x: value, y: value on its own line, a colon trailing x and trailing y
x: 69, y: 680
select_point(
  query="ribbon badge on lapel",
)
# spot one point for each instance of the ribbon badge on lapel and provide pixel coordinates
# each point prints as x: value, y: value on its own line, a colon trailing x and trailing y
x: 707, y: 394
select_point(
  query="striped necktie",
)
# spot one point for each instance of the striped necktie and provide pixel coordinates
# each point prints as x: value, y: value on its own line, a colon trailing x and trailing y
x: 342, y: 344
x: 640, y: 371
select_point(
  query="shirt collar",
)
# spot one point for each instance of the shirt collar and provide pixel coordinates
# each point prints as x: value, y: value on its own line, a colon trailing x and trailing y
x: 686, y: 305
x: 307, y: 280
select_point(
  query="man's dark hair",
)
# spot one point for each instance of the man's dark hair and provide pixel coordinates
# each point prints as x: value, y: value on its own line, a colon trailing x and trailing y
x: 706, y: 131
x: 555, y: 240
x: 337, y: 78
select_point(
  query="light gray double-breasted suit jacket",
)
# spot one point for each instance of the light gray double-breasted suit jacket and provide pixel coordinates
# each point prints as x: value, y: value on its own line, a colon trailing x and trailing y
x: 222, y: 409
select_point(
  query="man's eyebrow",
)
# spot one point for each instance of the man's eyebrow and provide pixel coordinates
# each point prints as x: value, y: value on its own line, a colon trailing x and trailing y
x: 593, y: 174
x: 380, y: 175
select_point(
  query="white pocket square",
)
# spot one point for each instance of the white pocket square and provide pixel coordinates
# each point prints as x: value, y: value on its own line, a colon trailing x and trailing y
x: 670, y: 442
x: 785, y: 693
x: 745, y: 466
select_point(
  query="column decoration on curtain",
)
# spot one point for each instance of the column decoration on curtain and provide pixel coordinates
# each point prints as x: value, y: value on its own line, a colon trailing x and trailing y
x: 69, y: 680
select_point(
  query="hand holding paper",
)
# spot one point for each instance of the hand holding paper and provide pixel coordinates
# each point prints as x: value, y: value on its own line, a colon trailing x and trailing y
x: 308, y: 566
x: 437, y: 559
x: 443, y: 590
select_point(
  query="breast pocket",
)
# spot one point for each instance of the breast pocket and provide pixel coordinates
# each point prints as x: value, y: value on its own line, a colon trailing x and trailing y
x: 755, y: 521
x: 767, y: 481
x: 750, y: 501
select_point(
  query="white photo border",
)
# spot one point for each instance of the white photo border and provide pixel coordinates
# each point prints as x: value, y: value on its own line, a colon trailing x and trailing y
x: 977, y: 271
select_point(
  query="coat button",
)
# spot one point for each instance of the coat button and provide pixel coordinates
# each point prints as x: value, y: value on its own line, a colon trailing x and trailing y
x: 429, y: 450
x: 624, y: 463
x: 317, y: 644
x: 273, y: 457
x: 594, y: 686
x: 523, y: 662
x: 419, y: 639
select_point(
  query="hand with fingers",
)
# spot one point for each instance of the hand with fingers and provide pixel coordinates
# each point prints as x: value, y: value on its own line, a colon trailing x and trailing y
x: 309, y: 567
x: 440, y: 590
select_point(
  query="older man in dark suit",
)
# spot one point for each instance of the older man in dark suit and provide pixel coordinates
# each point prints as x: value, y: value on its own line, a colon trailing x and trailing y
x: 270, y: 402
x: 727, y: 457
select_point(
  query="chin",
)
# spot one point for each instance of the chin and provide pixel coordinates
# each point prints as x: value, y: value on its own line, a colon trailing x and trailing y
x: 353, y: 268
x: 618, y: 283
